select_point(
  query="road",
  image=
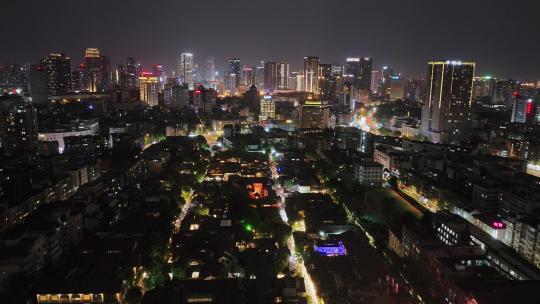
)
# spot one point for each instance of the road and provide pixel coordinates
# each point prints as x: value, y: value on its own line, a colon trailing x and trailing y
x: 296, y: 262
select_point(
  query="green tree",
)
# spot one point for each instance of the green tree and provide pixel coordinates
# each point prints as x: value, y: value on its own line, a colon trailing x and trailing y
x: 133, y: 295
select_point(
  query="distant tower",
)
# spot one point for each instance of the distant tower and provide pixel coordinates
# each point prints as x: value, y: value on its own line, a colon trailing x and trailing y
x: 210, y: 69
x: 282, y: 75
x: 148, y: 87
x: 57, y: 67
x: 311, y: 74
x: 364, y: 81
x: 270, y: 76
x: 93, y: 68
x: 233, y: 68
x: 185, y: 69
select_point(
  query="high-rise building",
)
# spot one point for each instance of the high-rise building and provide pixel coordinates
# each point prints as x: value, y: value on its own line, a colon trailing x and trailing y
x: 18, y: 126
x: 230, y: 82
x: 397, y: 87
x: 328, y: 82
x: 270, y: 76
x: 314, y: 115
x: 375, y: 81
x: 185, y: 69
x: 132, y: 73
x: 259, y: 75
x: 364, y: 81
x: 159, y: 72
x: 311, y: 74
x: 504, y: 92
x: 177, y: 96
x: 251, y: 99
x: 524, y: 110
x: 93, y: 68
x: 57, y: 67
x: 484, y: 87
x: 346, y: 99
x: 247, y: 76
x: 148, y: 88
x: 351, y: 69
x: 233, y: 68
x: 267, y: 108
x: 282, y: 75
x: 37, y: 83
x: 446, y: 110
x: 210, y: 69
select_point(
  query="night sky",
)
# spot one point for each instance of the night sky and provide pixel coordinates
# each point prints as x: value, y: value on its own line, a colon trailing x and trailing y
x: 503, y: 37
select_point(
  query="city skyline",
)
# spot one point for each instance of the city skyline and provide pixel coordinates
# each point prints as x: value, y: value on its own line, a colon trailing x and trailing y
x: 482, y: 33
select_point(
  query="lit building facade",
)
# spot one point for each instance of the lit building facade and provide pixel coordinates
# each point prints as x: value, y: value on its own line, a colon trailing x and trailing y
x: 314, y: 115
x: 185, y: 69
x: 57, y: 67
x: 268, y: 108
x: 446, y: 110
x: 311, y: 74
x: 148, y: 88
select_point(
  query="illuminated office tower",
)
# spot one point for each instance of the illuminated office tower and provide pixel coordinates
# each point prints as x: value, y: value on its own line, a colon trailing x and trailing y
x: 57, y: 67
x: 93, y: 68
x: 311, y: 74
x: 267, y: 108
x: 270, y: 76
x: 314, y: 115
x: 364, y: 76
x: 132, y: 73
x: 233, y: 68
x: 375, y: 81
x: 446, y: 110
x: 328, y: 82
x: 247, y: 76
x: 259, y: 75
x: 159, y: 72
x: 185, y: 69
x: 148, y: 88
x: 351, y: 69
x: 282, y: 75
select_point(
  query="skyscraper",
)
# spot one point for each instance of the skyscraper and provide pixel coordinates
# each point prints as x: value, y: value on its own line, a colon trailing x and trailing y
x: 93, y: 68
x: 57, y: 67
x: 132, y: 73
x: 233, y: 68
x: 364, y: 77
x: 311, y: 74
x: 259, y: 75
x: 247, y: 76
x: 270, y: 76
x: 210, y: 69
x: 446, y: 110
x: 282, y: 75
x: 148, y: 87
x: 351, y: 69
x: 328, y: 82
x: 185, y: 69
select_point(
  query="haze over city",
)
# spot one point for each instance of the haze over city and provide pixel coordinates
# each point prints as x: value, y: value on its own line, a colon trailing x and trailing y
x: 291, y: 152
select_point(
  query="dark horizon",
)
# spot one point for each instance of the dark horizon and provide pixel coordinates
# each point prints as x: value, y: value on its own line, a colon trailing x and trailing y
x: 404, y: 35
